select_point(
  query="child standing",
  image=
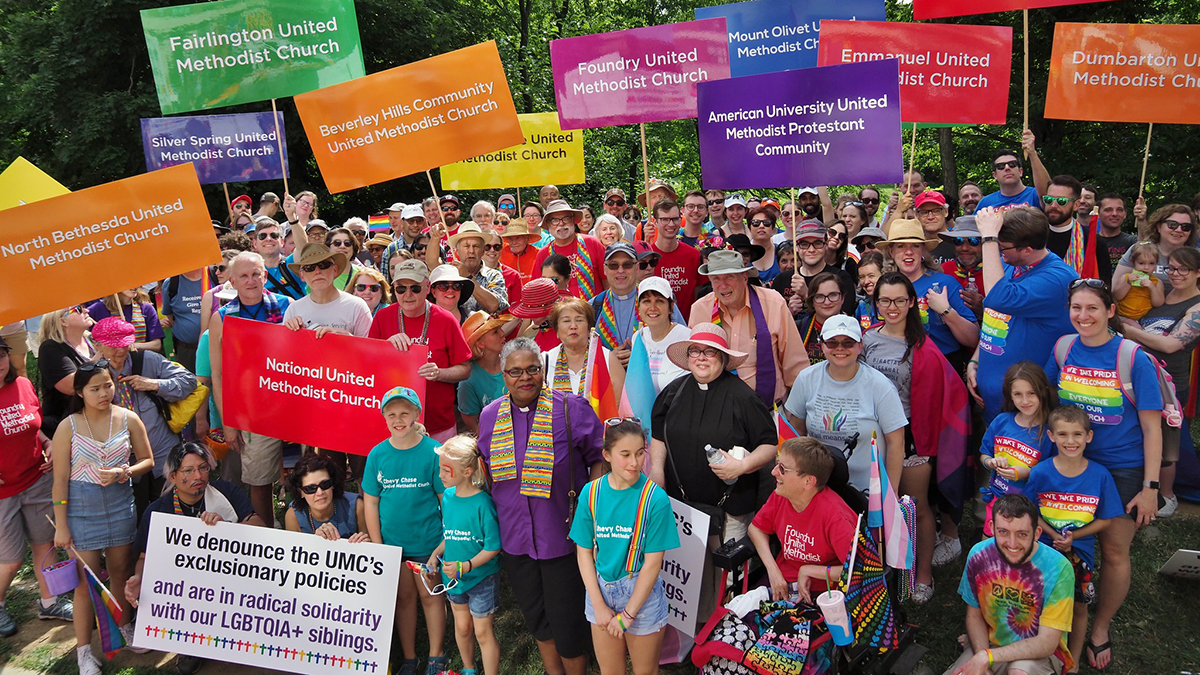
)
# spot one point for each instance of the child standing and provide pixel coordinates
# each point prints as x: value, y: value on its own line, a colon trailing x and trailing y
x: 1016, y: 440
x: 622, y: 527
x: 1145, y: 290
x: 1076, y: 499
x: 470, y: 544
x: 402, y: 493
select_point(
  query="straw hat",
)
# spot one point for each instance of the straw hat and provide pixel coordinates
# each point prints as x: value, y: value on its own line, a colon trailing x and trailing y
x: 479, y: 323
x: 905, y: 232
x: 467, y: 231
x: 517, y: 227
x: 450, y: 273
x: 537, y: 299
x: 705, y: 335
x: 314, y: 253
x: 380, y: 239
x: 560, y: 206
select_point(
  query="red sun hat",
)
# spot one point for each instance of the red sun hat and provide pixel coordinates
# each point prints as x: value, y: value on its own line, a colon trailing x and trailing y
x: 113, y: 332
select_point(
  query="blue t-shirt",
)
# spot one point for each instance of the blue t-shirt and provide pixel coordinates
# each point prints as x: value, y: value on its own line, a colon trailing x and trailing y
x: 1026, y: 197
x: 1006, y: 439
x: 408, y: 486
x: 1089, y: 379
x: 184, y: 306
x: 479, y: 389
x: 1063, y: 501
x: 615, y: 520
x: 937, y: 329
x: 204, y: 369
x: 1022, y: 317
x: 470, y: 525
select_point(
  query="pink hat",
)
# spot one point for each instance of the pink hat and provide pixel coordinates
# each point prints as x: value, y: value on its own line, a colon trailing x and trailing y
x: 113, y: 332
x: 537, y: 299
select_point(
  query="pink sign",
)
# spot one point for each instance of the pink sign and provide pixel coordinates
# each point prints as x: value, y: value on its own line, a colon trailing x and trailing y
x: 638, y: 75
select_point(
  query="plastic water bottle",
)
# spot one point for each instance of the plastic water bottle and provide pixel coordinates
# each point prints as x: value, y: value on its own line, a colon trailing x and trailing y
x: 714, y: 458
x: 971, y: 285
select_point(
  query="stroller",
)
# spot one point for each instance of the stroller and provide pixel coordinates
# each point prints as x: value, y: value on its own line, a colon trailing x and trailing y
x: 791, y: 638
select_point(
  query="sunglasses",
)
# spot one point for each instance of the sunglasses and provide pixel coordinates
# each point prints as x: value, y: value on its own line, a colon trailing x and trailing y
x: 102, y: 364
x: 855, y: 203
x: 714, y: 202
x: 973, y: 241
x: 77, y: 309
x: 1061, y: 201
x: 420, y: 247
x: 1090, y: 283
x: 516, y: 373
x: 762, y: 222
x: 267, y: 235
x: 341, y: 243
x: 401, y: 289
x: 647, y: 264
x: 450, y: 207
x: 218, y: 268
x: 848, y: 343
x: 1176, y: 225
x: 869, y: 200
x: 614, y: 421
x: 508, y: 207
x: 620, y: 265
x: 615, y: 202
x: 448, y: 286
x: 1010, y: 164
x: 359, y: 233
x: 312, y: 489
x: 493, y: 247
x: 323, y: 265
x: 374, y: 288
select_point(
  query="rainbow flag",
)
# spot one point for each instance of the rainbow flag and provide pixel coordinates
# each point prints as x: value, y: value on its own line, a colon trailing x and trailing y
x: 108, y: 614
x: 378, y: 223
x: 784, y: 427
x: 637, y: 397
x: 598, y: 383
x: 883, y: 510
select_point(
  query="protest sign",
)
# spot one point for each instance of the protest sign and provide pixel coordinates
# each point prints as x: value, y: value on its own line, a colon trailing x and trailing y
x: 320, y: 392
x: 549, y: 155
x: 683, y: 567
x: 224, y: 148
x: 267, y: 598
x: 767, y: 36
x: 411, y: 118
x: 1125, y: 73
x: 949, y: 73
x: 77, y: 247
x: 22, y: 182
x: 938, y: 9
x: 837, y: 125
x: 638, y: 75
x: 214, y: 54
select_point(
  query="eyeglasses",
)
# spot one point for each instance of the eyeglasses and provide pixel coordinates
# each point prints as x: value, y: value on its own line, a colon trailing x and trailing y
x: 647, y: 264
x: 1177, y: 225
x: 706, y: 352
x: 762, y: 222
x: 192, y: 471
x: 614, y: 421
x: 836, y: 296
x: 402, y: 289
x: 374, y: 288
x: 893, y: 302
x: 805, y: 245
x: 556, y: 221
x: 323, y: 265
x: 694, y: 207
x: 1010, y: 164
x: 921, y: 213
x: 102, y: 364
x: 1061, y: 201
x: 620, y: 265
x: 789, y: 214
x: 450, y: 207
x: 973, y: 241
x: 1090, y: 283
x: 615, y: 202
x: 493, y: 247
x: 312, y: 488
x: 659, y: 220
x: 448, y: 286
x: 1171, y: 269
x: 516, y: 373
x: 783, y: 469
x: 267, y: 235
x: 848, y: 343
x: 341, y: 243
x: 869, y: 200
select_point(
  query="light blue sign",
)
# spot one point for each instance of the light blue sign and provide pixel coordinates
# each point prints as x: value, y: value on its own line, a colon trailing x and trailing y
x: 767, y: 36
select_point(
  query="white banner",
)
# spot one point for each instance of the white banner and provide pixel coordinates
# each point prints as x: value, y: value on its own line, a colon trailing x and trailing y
x: 683, y: 567
x: 269, y: 598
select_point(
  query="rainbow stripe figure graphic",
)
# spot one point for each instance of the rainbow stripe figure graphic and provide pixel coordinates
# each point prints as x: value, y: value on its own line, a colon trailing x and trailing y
x: 994, y: 335
x: 1096, y: 390
x: 834, y: 421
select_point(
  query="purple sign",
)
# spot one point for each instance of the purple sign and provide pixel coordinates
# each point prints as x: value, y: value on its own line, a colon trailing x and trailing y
x: 638, y: 75
x: 837, y: 125
x: 224, y: 148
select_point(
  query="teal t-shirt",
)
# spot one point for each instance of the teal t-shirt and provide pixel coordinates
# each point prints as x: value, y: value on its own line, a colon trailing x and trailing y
x: 479, y: 389
x: 408, y: 485
x: 612, y: 528
x: 470, y: 525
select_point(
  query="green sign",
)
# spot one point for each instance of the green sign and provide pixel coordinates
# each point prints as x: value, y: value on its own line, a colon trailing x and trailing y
x: 215, y: 54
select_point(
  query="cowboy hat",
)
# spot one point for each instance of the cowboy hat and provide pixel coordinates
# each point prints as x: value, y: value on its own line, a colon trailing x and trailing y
x: 706, y: 335
x: 561, y: 206
x: 905, y: 232
x: 724, y: 262
x: 467, y: 231
x: 314, y: 252
x: 479, y: 323
x: 517, y: 227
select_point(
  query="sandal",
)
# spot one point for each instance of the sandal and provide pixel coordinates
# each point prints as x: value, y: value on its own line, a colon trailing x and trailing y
x: 1094, y: 649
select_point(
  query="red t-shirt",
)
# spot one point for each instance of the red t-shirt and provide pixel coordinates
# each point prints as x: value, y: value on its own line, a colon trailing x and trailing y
x: 681, y: 269
x: 20, y: 452
x: 820, y: 535
x: 447, y: 348
x: 595, y: 251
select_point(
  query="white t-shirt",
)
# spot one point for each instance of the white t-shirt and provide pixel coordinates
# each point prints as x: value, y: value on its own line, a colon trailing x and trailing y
x: 663, y: 369
x: 348, y: 312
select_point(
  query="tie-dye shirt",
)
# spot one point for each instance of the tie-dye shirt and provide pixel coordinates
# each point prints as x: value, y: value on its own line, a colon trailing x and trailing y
x: 1074, y: 501
x: 1016, y: 600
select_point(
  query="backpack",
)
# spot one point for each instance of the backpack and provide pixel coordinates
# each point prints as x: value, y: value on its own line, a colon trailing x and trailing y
x: 1126, y: 352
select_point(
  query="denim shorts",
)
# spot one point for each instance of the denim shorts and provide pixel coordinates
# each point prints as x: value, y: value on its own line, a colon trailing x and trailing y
x: 651, y: 617
x: 100, y: 517
x: 481, y: 599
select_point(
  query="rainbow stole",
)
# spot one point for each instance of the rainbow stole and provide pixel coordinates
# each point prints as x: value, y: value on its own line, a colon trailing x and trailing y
x: 606, y: 323
x: 637, y: 541
x: 537, y: 469
x: 581, y: 264
x: 138, y: 319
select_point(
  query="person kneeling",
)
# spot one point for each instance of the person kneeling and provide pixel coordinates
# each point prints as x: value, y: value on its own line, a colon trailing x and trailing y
x: 813, y: 524
x: 1019, y: 598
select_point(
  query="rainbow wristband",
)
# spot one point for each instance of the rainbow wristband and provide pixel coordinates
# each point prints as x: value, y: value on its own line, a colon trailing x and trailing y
x: 60, y: 503
x: 458, y: 574
x: 621, y: 622
x: 989, y: 655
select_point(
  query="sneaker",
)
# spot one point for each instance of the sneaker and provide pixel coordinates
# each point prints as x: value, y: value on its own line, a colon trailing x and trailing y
x: 946, y: 551
x: 921, y: 593
x: 62, y: 609
x: 1169, y: 507
x: 187, y: 665
x: 437, y: 665
x: 408, y: 667
x: 88, y: 665
x: 8, y: 626
x: 128, y: 631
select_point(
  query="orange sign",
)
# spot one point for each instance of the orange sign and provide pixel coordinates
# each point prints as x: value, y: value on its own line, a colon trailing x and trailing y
x: 411, y: 118
x: 65, y: 250
x: 1112, y: 72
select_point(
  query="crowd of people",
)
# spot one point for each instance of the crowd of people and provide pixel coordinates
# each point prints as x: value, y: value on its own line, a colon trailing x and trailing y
x: 1024, y: 333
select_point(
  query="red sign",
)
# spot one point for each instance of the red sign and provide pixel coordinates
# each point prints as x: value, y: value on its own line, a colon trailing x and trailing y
x: 949, y: 74
x: 937, y: 9
x: 324, y: 393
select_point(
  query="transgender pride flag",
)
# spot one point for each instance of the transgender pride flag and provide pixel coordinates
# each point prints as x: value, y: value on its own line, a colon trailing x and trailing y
x: 883, y: 510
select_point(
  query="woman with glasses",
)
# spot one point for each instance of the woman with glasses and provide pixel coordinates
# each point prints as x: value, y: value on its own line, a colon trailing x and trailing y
x: 1172, y: 226
x: 221, y: 292
x: 450, y: 290
x: 370, y: 285
x: 1170, y: 333
x: 63, y: 343
x: 493, y: 248
x: 899, y: 348
x: 320, y: 504
x: 761, y: 227
x: 342, y: 240
x: 93, y: 498
x: 1126, y: 436
x: 533, y: 212
x: 825, y: 300
x: 837, y: 249
x: 299, y: 210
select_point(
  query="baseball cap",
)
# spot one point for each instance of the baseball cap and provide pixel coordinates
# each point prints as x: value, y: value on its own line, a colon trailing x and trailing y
x: 448, y: 198
x: 620, y: 247
x: 840, y: 324
x: 412, y: 211
x: 242, y: 198
x: 268, y: 198
x: 929, y: 196
x: 810, y: 229
x: 414, y: 270
x: 732, y: 200
x: 398, y: 206
x: 400, y: 394
x: 614, y: 192
x: 807, y: 191
x: 658, y: 285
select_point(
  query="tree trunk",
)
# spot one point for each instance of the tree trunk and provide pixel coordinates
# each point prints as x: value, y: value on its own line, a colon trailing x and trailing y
x: 949, y: 167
